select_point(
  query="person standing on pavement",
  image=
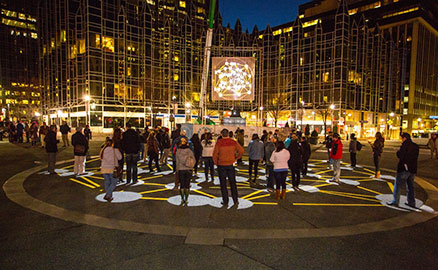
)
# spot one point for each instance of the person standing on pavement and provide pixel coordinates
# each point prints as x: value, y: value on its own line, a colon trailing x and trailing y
x: 336, y: 157
x: 225, y: 153
x: 109, y: 157
x: 153, y: 152
x: 433, y: 145
x: 377, y: 147
x: 256, y: 152
x: 185, y: 161
x: 26, y: 131
x: 87, y: 133
x: 207, y: 155
x: 280, y: 160
x: 406, y: 170
x: 296, y: 160
x: 270, y: 146
x: 131, y: 147
x: 44, y: 129
x: 80, y: 148
x: 176, y: 133
x: 65, y: 129
x: 20, y: 129
x: 175, y: 144
x: 197, y: 150
x: 241, y: 141
x: 352, y: 148
x: 33, y: 133
x: 117, y: 144
x: 51, y: 148
x: 307, y: 151
x: 328, y: 144
x: 165, y: 146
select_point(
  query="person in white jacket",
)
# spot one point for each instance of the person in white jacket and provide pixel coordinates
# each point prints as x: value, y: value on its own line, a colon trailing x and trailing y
x: 207, y: 155
x: 280, y: 158
x: 109, y: 157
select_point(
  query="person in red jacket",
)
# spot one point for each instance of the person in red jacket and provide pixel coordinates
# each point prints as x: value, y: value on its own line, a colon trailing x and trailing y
x: 336, y: 156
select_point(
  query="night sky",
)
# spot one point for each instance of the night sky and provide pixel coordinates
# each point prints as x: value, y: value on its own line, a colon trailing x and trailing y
x: 260, y: 12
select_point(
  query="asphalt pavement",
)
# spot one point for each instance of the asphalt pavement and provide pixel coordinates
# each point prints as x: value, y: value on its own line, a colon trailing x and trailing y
x: 32, y: 240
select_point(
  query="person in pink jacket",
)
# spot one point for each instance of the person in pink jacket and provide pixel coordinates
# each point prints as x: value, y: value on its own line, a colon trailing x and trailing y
x: 109, y: 157
x: 280, y: 158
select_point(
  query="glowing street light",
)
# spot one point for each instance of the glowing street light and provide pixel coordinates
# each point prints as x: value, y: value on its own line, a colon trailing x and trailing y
x: 87, y: 98
x: 332, y: 107
x: 188, y: 105
x: 37, y: 114
x: 261, y: 108
x: 59, y: 112
x: 391, y: 114
x: 419, y: 119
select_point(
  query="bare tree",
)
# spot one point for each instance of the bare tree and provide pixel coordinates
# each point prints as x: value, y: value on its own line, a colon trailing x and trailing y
x: 276, y: 106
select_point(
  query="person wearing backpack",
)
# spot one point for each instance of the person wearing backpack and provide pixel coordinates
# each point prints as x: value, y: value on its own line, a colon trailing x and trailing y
x: 80, y: 148
x: 185, y: 162
x: 353, y: 149
x: 377, y: 147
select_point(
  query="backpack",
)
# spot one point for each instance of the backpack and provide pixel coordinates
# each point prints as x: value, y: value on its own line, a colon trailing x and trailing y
x: 358, y: 146
x: 190, y: 161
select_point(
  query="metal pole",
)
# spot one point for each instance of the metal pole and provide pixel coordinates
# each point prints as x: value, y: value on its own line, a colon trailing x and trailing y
x: 206, y: 66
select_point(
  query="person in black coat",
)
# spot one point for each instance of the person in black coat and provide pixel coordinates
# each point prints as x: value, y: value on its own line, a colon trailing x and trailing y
x: 406, y: 170
x: 305, y: 146
x: 176, y: 133
x: 296, y: 160
x: 131, y: 146
x: 51, y: 148
x: 197, y: 150
x: 80, y: 149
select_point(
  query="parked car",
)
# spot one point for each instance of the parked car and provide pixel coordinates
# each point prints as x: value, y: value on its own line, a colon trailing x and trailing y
x: 421, y: 138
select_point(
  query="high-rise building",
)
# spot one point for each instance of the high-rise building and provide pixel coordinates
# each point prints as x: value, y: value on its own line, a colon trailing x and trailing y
x: 19, y: 74
x: 348, y: 65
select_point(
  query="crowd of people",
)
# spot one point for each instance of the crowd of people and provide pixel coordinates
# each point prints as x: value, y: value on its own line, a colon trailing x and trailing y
x: 279, y: 156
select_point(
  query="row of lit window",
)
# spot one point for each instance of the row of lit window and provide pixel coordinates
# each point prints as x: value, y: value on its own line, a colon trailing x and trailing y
x: 21, y: 16
x: 25, y: 34
x: 17, y: 93
x: 15, y: 23
x: 15, y: 84
x: 401, y: 12
x: 22, y: 102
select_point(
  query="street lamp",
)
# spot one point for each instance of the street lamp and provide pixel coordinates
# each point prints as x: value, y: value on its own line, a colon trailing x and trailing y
x: 302, y: 113
x: 87, y: 98
x: 332, y: 108
x: 87, y: 109
x: 37, y: 114
x: 391, y: 114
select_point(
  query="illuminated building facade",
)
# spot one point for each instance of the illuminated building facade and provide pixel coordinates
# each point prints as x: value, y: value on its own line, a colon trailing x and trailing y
x: 19, y: 76
x: 140, y: 61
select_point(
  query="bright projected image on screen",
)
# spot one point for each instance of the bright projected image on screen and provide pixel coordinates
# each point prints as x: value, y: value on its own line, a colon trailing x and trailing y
x: 233, y: 78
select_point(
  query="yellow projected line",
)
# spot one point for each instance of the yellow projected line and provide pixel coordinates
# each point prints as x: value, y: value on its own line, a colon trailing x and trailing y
x: 352, y: 194
x: 368, y: 170
x: 258, y: 197
x: 369, y: 190
x: 95, y: 177
x: 324, y: 172
x: 251, y: 194
x: 91, y: 160
x: 348, y: 196
x: 265, y: 203
x: 203, y: 193
x: 152, y: 177
x: 154, y: 199
x: 336, y: 204
x: 365, y: 173
x: 391, y: 186
x: 79, y: 182
x: 154, y: 184
x: 152, y: 191
x: 310, y: 180
x: 170, y: 167
x: 91, y: 182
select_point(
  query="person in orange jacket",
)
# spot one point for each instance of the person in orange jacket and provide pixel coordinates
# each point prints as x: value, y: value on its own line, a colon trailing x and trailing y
x: 225, y: 154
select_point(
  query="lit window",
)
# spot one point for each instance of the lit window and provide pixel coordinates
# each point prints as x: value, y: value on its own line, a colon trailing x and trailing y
x: 352, y: 11
x: 310, y: 23
x: 151, y: 2
x: 201, y: 10
x: 97, y: 40
x: 34, y: 35
x: 325, y: 77
x: 63, y: 36
x: 277, y: 32
x: 175, y: 77
x: 301, y: 16
x: 81, y: 46
x: 73, y: 51
x: 401, y: 12
x: 260, y: 36
x: 25, y: 101
x: 22, y: 16
x: 176, y: 58
x: 108, y: 44
x: 182, y: 4
x: 289, y: 29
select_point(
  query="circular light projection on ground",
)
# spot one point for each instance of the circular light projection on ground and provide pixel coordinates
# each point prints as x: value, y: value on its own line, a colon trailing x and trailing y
x: 193, y: 186
x: 387, y: 198
x: 243, y: 203
x: 120, y: 197
x: 349, y: 182
x: 194, y: 200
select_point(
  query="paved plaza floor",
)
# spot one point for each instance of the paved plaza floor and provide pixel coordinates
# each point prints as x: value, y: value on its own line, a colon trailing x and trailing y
x: 317, y: 211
